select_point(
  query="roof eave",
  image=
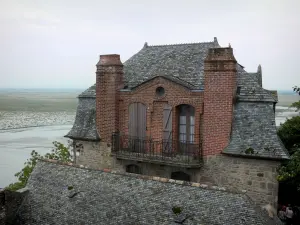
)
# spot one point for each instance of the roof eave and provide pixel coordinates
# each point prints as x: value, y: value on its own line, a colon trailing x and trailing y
x: 82, y: 138
x: 255, y: 156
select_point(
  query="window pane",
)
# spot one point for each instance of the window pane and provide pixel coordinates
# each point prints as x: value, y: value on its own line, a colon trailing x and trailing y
x: 182, y: 137
x: 182, y: 120
x: 192, y: 120
x: 191, y: 138
x: 192, y: 131
x: 182, y: 129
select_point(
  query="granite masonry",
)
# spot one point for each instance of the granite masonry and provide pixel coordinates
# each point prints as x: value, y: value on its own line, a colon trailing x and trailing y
x: 187, y: 112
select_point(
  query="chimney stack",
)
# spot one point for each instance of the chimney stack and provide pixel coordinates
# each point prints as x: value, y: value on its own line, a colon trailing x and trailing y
x: 219, y: 91
x: 109, y: 81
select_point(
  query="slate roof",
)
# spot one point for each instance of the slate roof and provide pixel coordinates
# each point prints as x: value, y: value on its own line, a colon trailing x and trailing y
x: 90, y: 92
x: 100, y: 197
x: 171, y: 78
x: 84, y: 127
x: 251, y: 89
x: 185, y: 61
x: 254, y: 128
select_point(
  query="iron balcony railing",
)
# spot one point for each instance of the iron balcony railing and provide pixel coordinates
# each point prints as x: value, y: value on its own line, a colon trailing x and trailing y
x: 168, y: 152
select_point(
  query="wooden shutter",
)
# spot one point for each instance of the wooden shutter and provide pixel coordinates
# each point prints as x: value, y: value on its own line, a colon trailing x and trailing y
x: 141, y: 120
x: 167, y: 128
x: 132, y: 123
x: 137, y: 120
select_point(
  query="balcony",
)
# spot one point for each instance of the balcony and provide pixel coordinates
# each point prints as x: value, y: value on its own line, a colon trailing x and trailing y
x: 163, y: 152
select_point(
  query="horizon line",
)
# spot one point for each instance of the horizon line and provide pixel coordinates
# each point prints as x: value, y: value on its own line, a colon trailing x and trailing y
x: 81, y: 88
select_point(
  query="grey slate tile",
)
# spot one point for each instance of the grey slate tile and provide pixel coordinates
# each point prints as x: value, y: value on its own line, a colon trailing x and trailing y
x: 254, y: 127
x: 84, y: 127
x: 107, y: 198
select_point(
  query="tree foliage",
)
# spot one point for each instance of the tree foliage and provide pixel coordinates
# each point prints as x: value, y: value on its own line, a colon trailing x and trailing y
x: 59, y: 152
x: 290, y: 172
x: 297, y: 89
x: 289, y: 133
x: 296, y: 104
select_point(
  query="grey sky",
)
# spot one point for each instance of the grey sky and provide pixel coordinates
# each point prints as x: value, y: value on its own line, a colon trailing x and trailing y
x: 57, y: 43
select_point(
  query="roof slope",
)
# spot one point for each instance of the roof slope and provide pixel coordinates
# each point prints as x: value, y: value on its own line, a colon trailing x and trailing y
x: 185, y: 61
x: 184, y: 64
x: 107, y: 198
x: 254, y: 128
x: 251, y: 89
x: 84, y: 127
x: 90, y: 92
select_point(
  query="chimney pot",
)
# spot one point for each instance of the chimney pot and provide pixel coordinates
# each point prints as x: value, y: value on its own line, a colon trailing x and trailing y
x: 109, y: 60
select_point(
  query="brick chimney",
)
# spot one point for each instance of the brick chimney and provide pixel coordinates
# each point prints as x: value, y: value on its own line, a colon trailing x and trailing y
x: 219, y: 92
x: 109, y: 81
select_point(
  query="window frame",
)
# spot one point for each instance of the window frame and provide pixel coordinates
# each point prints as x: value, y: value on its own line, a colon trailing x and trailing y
x: 186, y: 123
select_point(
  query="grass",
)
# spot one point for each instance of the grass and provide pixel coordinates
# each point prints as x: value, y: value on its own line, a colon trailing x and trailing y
x: 38, y: 101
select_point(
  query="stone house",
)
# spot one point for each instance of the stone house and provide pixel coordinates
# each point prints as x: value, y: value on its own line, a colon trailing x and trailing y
x: 187, y: 112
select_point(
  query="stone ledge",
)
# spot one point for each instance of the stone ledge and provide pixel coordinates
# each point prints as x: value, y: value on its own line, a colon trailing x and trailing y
x: 146, y: 177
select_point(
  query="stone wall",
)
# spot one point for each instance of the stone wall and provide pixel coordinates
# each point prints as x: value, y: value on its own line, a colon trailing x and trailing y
x: 93, y: 154
x: 151, y: 169
x: 256, y: 176
x: 10, y: 202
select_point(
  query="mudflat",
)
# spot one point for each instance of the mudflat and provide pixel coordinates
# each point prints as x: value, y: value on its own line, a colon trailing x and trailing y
x: 39, y: 101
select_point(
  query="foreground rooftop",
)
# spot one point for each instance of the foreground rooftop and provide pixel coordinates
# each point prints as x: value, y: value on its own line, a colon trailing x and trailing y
x: 67, y: 194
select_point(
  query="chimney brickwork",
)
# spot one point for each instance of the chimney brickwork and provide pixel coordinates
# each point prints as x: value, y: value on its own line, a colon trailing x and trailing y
x: 219, y: 92
x: 109, y: 81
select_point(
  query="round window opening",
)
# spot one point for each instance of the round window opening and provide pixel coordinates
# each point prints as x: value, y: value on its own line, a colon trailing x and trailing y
x: 160, y: 91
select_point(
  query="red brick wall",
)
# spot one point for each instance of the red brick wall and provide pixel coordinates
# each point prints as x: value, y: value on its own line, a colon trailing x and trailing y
x: 109, y: 80
x: 219, y: 90
x: 174, y: 95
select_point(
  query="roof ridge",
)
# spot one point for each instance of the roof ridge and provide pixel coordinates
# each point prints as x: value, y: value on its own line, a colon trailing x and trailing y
x: 147, y: 177
x: 192, y: 43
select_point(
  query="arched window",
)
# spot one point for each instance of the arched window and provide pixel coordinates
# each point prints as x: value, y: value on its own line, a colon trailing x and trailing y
x: 133, y: 169
x: 180, y: 176
x: 186, y: 122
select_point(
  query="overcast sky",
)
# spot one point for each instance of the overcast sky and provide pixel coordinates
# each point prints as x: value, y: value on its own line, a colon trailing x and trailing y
x: 45, y: 44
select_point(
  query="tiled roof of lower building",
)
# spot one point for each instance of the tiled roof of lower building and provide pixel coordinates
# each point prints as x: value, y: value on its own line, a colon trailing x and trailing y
x: 61, y: 194
x: 254, y: 132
